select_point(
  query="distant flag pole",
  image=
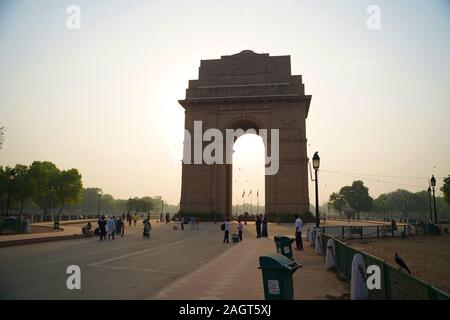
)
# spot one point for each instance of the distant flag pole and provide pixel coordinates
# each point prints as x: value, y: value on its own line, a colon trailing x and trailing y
x: 251, y: 201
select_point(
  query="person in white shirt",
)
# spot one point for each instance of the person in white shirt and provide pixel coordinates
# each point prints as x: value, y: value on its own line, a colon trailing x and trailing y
x: 298, y: 233
x: 227, y: 231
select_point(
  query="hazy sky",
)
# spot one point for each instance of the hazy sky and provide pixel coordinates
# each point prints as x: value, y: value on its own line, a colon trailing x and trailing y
x: 103, y: 98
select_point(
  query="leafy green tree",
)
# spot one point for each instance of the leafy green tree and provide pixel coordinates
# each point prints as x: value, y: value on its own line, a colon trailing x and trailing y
x: 25, y: 187
x: 46, y: 175
x: 146, y: 204
x: 69, y: 188
x: 357, y: 196
x: 337, y: 202
x: 89, y: 203
x: 446, y: 189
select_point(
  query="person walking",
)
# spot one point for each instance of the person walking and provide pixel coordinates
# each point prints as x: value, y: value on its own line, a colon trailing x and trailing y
x: 147, y: 228
x: 258, y: 226
x: 129, y: 218
x: 298, y: 233
x: 182, y: 222
x: 226, y: 229
x: 135, y: 219
x: 264, y: 233
x: 118, y: 225
x: 110, y: 227
x: 240, y: 228
x: 122, y: 228
x: 102, y: 227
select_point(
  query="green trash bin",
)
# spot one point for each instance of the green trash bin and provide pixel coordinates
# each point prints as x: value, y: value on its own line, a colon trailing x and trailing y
x: 277, y: 273
x: 284, y: 246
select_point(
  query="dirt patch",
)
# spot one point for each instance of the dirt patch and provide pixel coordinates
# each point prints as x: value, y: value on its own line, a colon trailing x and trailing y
x: 428, y: 257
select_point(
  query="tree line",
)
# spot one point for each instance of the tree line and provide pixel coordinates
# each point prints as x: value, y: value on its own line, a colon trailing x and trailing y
x: 43, y: 188
x: 351, y: 201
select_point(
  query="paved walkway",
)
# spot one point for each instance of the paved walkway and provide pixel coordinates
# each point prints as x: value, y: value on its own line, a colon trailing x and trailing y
x: 235, y: 274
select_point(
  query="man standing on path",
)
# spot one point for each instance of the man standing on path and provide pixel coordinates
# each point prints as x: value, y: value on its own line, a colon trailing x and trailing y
x: 258, y: 226
x: 182, y: 221
x: 227, y: 230
x: 298, y: 233
x: 240, y: 228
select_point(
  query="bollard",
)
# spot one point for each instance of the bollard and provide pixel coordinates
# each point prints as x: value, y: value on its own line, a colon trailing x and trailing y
x: 330, y: 261
x: 359, y: 289
x: 318, y: 246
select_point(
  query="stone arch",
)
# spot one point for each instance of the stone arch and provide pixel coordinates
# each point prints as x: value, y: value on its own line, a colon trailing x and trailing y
x: 248, y: 90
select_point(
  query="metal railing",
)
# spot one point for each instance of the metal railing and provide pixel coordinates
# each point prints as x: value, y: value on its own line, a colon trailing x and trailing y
x: 395, y: 284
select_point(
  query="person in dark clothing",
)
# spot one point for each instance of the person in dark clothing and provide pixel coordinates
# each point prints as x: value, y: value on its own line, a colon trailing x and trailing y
x: 298, y: 233
x: 264, y: 233
x: 102, y: 227
x: 240, y: 228
x: 258, y: 226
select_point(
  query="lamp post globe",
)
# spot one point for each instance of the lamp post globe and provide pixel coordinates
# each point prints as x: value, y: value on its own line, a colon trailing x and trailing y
x: 433, y: 181
x: 316, y: 161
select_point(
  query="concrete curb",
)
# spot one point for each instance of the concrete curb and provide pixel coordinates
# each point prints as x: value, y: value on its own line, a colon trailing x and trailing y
x: 20, y: 242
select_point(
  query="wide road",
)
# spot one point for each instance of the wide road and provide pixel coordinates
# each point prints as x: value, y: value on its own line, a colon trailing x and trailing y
x: 126, y: 268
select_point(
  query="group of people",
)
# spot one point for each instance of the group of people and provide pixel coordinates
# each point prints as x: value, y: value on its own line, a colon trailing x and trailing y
x: 109, y: 228
x: 261, y: 226
x: 261, y: 229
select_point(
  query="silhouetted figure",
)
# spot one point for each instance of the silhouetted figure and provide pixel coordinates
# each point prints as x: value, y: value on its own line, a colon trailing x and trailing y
x: 240, y: 228
x: 401, y: 263
x: 264, y: 232
x: 226, y: 230
x: 258, y: 226
x: 298, y: 233
x: 102, y: 227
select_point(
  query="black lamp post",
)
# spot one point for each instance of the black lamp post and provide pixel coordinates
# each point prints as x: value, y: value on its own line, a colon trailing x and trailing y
x: 433, y: 184
x: 52, y: 189
x: 384, y: 209
x: 99, y: 202
x: 316, y: 165
x: 429, y: 202
x: 12, y: 176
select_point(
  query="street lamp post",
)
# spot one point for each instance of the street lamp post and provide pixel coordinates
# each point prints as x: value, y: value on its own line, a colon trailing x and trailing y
x: 433, y: 184
x: 316, y: 165
x: 99, y: 203
x: 384, y: 209
x: 12, y: 176
x: 50, y: 202
x: 429, y: 202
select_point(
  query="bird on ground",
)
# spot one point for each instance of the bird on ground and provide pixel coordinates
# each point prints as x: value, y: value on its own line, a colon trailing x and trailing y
x: 401, y: 263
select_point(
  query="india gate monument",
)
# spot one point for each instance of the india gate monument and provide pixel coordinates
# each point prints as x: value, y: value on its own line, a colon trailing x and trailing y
x: 248, y: 90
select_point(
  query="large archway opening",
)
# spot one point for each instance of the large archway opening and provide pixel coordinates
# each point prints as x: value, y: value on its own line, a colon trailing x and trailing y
x: 248, y: 184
